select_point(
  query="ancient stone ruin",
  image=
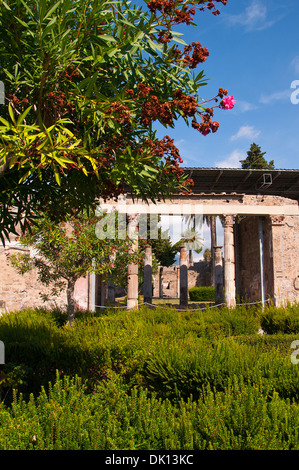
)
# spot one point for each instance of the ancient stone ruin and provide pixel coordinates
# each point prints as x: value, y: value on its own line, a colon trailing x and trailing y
x: 259, y: 259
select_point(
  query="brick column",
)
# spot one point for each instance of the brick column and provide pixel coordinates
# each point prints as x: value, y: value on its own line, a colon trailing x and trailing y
x: 183, y: 276
x: 147, y: 279
x: 132, y: 276
x: 229, y: 262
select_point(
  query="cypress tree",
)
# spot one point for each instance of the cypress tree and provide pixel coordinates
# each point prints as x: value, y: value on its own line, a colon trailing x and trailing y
x: 255, y: 159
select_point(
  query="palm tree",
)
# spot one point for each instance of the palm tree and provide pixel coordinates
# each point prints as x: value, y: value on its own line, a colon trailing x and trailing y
x: 210, y: 220
x: 191, y: 237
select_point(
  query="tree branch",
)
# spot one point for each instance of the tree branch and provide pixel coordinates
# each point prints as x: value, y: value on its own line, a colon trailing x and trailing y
x: 5, y: 165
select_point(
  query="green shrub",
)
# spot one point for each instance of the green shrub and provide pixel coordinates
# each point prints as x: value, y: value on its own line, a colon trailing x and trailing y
x: 280, y: 319
x: 122, y: 340
x: 269, y: 343
x: 202, y: 293
x: 231, y: 321
x: 149, y: 379
x: 67, y: 418
x: 182, y: 370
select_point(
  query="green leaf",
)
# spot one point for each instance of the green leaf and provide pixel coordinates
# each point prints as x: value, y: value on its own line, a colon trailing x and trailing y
x: 22, y: 116
x: 5, y: 5
x: 52, y: 9
x: 11, y: 113
x: 57, y: 176
x: 179, y: 40
x: 26, y: 6
x: 106, y: 38
x: 21, y: 22
x: 6, y: 123
x: 49, y: 26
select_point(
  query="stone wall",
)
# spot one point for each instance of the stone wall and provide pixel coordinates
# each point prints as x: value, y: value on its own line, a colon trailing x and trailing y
x: 281, y: 258
x: 23, y: 291
x: 248, y: 271
x: 281, y: 252
x: 166, y: 282
x: 285, y: 243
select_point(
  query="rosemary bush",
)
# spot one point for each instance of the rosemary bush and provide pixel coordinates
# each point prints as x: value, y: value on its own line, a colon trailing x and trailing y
x: 67, y: 418
x: 149, y: 379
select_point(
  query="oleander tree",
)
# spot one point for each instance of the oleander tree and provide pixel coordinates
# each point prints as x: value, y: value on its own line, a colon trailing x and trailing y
x: 85, y: 83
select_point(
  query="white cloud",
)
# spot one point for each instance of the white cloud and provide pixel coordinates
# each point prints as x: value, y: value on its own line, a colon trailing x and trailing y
x: 179, y: 142
x: 247, y: 132
x: 232, y: 160
x: 244, y: 106
x: 254, y: 18
x: 295, y: 64
x: 276, y: 96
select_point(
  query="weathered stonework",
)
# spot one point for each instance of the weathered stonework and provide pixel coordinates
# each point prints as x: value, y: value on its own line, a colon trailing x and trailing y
x: 281, y: 258
x: 23, y: 291
x: 166, y: 282
x: 285, y: 247
x: 242, y: 273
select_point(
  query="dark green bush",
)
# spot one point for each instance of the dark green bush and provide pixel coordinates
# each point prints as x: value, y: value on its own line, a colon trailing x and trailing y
x: 153, y: 379
x: 65, y: 417
x: 179, y: 370
x: 202, y: 293
x: 280, y: 319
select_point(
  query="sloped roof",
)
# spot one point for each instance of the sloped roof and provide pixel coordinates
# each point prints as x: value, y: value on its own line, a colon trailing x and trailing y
x: 283, y: 183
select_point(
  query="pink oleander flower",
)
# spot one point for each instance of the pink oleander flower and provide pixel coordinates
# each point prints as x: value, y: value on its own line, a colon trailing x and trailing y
x: 111, y: 265
x: 228, y: 102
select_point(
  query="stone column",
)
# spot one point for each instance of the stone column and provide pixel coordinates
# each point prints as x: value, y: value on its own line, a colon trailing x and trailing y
x: 229, y: 262
x: 132, y: 276
x: 110, y: 284
x: 183, y: 276
x: 160, y: 282
x: 218, y: 275
x: 111, y: 291
x: 147, y: 277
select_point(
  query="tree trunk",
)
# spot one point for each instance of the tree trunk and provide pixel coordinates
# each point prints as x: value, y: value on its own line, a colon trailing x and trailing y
x: 70, y: 293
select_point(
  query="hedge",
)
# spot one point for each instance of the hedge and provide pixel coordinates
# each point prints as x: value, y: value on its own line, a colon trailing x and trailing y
x: 202, y: 293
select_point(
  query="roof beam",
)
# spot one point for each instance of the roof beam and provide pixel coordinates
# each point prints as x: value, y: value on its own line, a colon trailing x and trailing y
x: 217, y: 179
x: 249, y: 173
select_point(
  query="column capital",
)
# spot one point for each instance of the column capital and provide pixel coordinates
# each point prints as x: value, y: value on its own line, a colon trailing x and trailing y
x: 277, y: 219
x: 229, y: 220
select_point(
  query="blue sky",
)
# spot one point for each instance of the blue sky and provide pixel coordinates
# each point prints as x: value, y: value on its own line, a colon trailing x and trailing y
x: 254, y: 54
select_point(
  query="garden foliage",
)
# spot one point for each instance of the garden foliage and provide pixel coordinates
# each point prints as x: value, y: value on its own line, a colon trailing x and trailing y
x: 204, y: 293
x: 85, y: 84
x: 149, y: 379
